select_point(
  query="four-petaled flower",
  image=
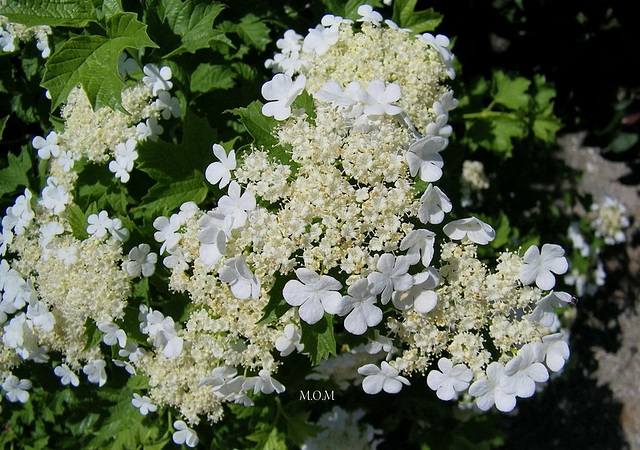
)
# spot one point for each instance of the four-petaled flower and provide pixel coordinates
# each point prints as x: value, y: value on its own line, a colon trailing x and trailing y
x: 391, y: 276
x: 450, y: 379
x: 242, y: 282
x: 281, y: 91
x: 363, y: 311
x: 219, y: 172
x: 314, y: 294
x: 489, y: 391
x: 419, y: 243
x: 143, y: 404
x: 424, y: 157
x: 289, y: 341
x: 471, y: 228
x: 157, y: 79
x: 99, y: 224
x: 16, y: 389
x: 386, y: 378
x: 184, y: 434
x: 538, y: 265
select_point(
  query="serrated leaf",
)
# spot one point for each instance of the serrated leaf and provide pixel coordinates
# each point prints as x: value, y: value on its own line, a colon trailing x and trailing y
x: 209, y: 77
x: 164, y: 198
x: 258, y: 125
x: 253, y: 31
x: 193, y: 23
x: 510, y: 92
x: 77, y: 221
x: 405, y: 16
x: 167, y: 162
x: 318, y: 339
x: 15, y: 174
x: 93, y: 336
x: 545, y: 128
x: 55, y: 13
x: 268, y: 439
x: 92, y: 61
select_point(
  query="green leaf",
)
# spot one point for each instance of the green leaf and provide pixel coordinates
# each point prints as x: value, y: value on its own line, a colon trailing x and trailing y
x: 3, y: 122
x: 258, y: 125
x: 299, y: 429
x: 162, y: 198
x: 208, y: 77
x: 268, y: 439
x: 510, y: 92
x: 92, y: 335
x: 193, y: 23
x: 136, y: 382
x: 55, y: 13
x: 253, y: 31
x: 318, y: 339
x: 15, y: 174
x: 545, y: 128
x: 305, y: 101
x: 167, y: 162
x: 77, y: 221
x: 405, y: 16
x: 92, y: 61
x: 503, y: 232
x: 623, y: 142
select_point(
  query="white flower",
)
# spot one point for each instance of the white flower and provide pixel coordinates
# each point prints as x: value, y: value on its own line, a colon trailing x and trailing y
x: 184, y: 434
x: 157, y: 79
x: 220, y: 172
x: 67, y: 376
x: 54, y: 197
x: 320, y: 39
x: 94, y: 370
x: 47, y: 147
x: 16, y: 389
x: 472, y: 228
x: 118, y: 231
x: 151, y: 129
x: 6, y: 238
x: 141, y: 261
x: 369, y: 15
x: 379, y: 98
x: 126, y: 65
x: 263, y: 383
x: 489, y: 391
x: 167, y: 105
x: 7, y: 41
x: 386, y: 378
x: 19, y: 215
x: 441, y: 44
x: 68, y: 255
x: 213, y: 228
x: 538, y: 265
x: 124, y: 159
x: 450, y: 379
x: 281, y: 91
x: 421, y: 295
x: 289, y: 341
x: 434, y: 204
x: 167, y: 231
x: 544, y: 312
x: 523, y: 371
x: 66, y: 160
x: 113, y: 334
x: 143, y: 404
x: 361, y: 302
x: 391, y: 275
x: 235, y: 205
x: 40, y: 315
x: 99, y: 224
x: 424, y: 158
x: 314, y: 294
x: 556, y: 351
x: 420, y: 243
x: 162, y: 332
x: 243, y: 283
x: 379, y: 344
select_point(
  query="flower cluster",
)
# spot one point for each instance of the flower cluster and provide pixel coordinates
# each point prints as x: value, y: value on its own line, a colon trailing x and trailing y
x: 610, y: 220
x: 11, y: 32
x: 343, y: 429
